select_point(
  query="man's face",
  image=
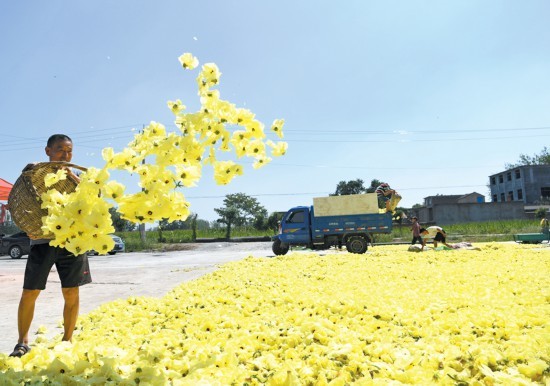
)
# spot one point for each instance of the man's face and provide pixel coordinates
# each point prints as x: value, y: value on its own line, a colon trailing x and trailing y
x: 60, y: 151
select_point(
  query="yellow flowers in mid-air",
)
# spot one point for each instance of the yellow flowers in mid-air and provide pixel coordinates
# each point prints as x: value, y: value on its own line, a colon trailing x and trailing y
x: 387, y: 317
x: 163, y: 161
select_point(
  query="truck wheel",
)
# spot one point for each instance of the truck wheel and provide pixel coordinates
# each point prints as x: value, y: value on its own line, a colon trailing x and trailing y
x: 356, y: 244
x: 279, y: 248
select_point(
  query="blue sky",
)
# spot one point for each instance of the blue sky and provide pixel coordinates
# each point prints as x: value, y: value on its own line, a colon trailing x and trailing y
x: 429, y: 96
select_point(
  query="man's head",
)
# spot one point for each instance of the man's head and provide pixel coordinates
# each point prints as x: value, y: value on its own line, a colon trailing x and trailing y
x: 414, y: 218
x: 59, y: 148
x: 423, y: 231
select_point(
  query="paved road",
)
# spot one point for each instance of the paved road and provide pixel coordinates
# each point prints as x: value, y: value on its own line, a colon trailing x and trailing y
x: 114, y: 277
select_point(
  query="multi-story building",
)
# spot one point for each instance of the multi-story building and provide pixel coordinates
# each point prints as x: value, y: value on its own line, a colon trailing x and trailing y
x: 528, y: 184
x: 515, y: 194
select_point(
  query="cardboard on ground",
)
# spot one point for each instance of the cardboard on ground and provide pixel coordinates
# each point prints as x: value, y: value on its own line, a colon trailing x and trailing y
x: 342, y: 205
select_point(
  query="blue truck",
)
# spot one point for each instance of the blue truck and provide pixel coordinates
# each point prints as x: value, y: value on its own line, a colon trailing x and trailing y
x: 333, y: 221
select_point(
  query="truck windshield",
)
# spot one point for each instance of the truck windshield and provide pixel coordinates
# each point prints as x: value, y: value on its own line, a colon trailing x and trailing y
x: 296, y: 217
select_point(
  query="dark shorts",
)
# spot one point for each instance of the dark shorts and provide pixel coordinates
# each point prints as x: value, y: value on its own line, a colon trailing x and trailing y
x: 73, y: 271
x: 415, y: 239
x: 439, y: 237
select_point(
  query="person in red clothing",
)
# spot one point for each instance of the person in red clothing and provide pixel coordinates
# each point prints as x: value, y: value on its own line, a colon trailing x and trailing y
x: 416, y: 232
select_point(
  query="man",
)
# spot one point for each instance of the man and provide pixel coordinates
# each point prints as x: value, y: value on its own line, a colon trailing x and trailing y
x: 73, y: 271
x: 416, y: 232
x: 437, y: 233
x: 384, y: 193
x: 544, y: 225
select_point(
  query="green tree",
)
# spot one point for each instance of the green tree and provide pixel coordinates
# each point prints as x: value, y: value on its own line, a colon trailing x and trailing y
x: 228, y: 216
x: 184, y: 224
x: 537, y: 159
x: 240, y: 210
x: 120, y: 224
x: 345, y: 188
x: 373, y: 185
x: 273, y: 221
x: 355, y: 187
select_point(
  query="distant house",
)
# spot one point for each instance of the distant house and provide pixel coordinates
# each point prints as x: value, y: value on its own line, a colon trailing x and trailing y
x: 449, y: 209
x: 528, y: 184
x: 515, y: 194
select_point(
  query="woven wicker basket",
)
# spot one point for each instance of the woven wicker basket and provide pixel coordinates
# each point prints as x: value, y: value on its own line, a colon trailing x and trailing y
x: 24, y: 201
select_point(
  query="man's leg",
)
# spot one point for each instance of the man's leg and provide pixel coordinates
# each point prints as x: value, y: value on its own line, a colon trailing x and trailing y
x: 70, y: 311
x: 25, y: 314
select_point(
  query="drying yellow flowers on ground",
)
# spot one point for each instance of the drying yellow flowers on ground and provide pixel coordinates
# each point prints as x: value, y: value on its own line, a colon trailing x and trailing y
x: 164, y: 161
x: 384, y: 317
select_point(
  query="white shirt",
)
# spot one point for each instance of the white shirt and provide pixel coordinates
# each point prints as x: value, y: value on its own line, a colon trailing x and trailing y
x: 432, y: 231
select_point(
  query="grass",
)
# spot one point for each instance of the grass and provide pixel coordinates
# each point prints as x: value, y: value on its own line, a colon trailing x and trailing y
x: 472, y: 232
x: 152, y: 238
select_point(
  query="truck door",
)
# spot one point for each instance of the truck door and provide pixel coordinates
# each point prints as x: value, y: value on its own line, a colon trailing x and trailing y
x: 296, y: 226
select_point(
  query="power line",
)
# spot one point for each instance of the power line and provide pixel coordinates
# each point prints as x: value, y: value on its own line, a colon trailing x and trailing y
x: 437, y: 131
x: 405, y: 141
x: 113, y: 133
x: 325, y: 193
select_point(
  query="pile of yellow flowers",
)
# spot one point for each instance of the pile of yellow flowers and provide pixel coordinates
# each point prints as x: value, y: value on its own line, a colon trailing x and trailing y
x: 385, y: 317
x: 164, y: 161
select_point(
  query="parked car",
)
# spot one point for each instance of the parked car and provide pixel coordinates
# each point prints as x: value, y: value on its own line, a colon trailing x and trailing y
x: 119, y: 246
x: 19, y: 244
x: 15, y: 245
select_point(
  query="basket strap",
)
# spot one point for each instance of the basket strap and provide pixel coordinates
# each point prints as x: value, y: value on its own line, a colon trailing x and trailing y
x: 59, y: 163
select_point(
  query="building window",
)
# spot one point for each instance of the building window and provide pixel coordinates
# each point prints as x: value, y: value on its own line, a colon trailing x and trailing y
x: 520, y: 194
x: 509, y: 176
x: 495, y: 198
x: 545, y: 192
x: 493, y: 181
x: 510, y: 196
x: 500, y: 179
x: 502, y: 199
x: 518, y: 174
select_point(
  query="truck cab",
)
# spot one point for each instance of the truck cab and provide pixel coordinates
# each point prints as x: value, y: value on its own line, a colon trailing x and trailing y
x: 295, y: 226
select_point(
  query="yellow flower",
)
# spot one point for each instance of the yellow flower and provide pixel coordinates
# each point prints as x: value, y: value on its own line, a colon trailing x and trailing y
x: 188, y: 175
x: 101, y: 243
x: 163, y: 161
x: 277, y: 127
x: 188, y: 61
x: 277, y: 149
x: 127, y: 159
x: 57, y: 224
x: 255, y: 129
x: 261, y: 161
x: 113, y: 189
x: 225, y: 171
x: 77, y: 209
x: 53, y: 178
x: 176, y: 106
x: 255, y: 148
x: 94, y: 177
x: 209, y: 76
